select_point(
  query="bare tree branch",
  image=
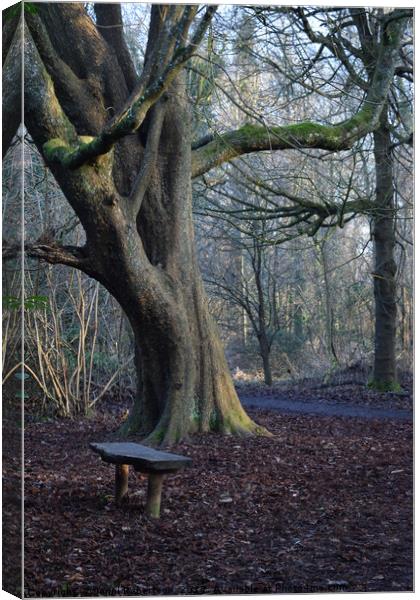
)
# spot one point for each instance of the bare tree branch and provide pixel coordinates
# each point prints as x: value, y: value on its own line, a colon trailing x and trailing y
x: 55, y: 253
x: 341, y: 136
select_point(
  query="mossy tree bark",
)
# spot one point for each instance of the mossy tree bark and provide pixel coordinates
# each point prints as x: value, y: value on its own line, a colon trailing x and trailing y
x: 120, y: 148
x: 12, y: 77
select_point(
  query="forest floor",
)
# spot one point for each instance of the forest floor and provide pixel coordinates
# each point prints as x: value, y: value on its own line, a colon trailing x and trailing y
x: 323, y: 505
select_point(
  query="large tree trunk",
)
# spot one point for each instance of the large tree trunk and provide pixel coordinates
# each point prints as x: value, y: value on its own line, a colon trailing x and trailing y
x: 142, y: 251
x: 384, y: 373
x: 185, y: 382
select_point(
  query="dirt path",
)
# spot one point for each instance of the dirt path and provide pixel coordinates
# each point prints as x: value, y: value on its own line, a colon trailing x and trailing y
x: 284, y: 404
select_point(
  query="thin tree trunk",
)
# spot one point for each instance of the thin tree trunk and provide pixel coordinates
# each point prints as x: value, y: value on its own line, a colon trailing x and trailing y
x: 265, y: 355
x: 244, y: 316
x: 262, y: 319
x: 384, y: 372
x: 329, y: 310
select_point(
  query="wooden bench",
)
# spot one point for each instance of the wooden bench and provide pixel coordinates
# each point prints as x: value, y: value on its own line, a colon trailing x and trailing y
x: 144, y: 460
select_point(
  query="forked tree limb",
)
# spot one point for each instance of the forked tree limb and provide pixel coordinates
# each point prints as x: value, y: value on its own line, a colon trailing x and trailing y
x: 44, y: 115
x: 130, y: 119
x: 73, y: 90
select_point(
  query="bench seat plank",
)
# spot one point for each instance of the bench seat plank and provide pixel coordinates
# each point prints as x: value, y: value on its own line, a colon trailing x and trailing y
x: 141, y: 457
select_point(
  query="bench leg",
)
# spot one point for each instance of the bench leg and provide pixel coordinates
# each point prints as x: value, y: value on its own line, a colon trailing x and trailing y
x: 154, y: 492
x: 121, y: 482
